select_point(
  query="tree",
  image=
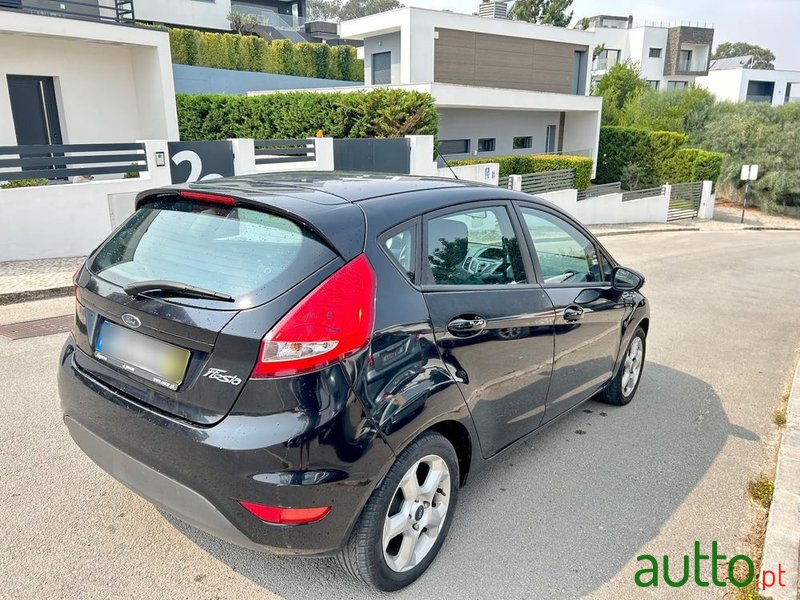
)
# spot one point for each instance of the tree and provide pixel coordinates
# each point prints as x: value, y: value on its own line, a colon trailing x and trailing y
x: 323, y: 10
x: 583, y: 23
x: 685, y: 111
x: 342, y: 10
x: 762, y: 57
x: 619, y: 86
x: 544, y: 12
x: 242, y: 23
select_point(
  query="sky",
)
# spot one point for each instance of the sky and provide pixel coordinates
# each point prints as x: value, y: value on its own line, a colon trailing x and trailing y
x: 769, y: 23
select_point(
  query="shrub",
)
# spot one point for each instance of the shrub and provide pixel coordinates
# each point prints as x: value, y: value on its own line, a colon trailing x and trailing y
x: 252, y: 53
x: 20, y: 183
x: 536, y: 163
x: 379, y: 113
x: 657, y: 157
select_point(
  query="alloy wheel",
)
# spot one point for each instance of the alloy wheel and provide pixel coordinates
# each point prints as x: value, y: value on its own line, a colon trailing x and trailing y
x: 416, y: 513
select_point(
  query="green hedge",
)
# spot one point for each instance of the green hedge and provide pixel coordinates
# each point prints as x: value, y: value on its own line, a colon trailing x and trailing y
x: 536, y: 163
x: 379, y: 113
x: 694, y: 164
x: 658, y: 156
x: 252, y: 53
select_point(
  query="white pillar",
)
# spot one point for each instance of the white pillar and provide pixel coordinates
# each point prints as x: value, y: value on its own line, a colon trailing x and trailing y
x: 244, y: 156
x: 707, y: 200
x: 323, y: 150
x: 157, y: 154
x: 422, y: 162
x: 515, y: 182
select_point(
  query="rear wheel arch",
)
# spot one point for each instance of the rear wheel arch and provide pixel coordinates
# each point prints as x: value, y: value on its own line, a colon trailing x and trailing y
x: 458, y: 435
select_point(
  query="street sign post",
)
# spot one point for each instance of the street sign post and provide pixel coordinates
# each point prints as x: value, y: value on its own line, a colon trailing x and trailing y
x: 749, y: 173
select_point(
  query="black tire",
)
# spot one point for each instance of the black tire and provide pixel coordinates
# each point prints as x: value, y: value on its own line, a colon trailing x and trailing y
x: 615, y: 392
x: 363, y: 556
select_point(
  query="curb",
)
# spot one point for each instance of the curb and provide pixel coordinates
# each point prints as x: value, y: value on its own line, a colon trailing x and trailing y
x: 29, y: 295
x: 633, y: 231
x: 765, y: 228
x: 782, y: 543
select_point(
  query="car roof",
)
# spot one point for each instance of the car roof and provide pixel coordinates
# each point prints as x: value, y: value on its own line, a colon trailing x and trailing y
x: 329, y: 187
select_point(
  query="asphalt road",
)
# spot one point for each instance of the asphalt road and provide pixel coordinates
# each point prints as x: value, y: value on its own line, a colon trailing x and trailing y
x: 562, y: 516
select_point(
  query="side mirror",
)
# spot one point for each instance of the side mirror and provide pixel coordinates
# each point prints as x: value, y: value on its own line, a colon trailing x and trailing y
x: 626, y: 280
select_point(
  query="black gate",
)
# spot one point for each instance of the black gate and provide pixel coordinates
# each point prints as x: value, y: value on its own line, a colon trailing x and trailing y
x: 391, y: 155
x: 684, y: 202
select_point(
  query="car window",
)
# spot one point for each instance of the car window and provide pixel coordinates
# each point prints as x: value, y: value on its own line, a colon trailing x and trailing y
x: 401, y: 247
x: 233, y: 250
x: 607, y: 268
x: 474, y: 247
x: 565, y: 254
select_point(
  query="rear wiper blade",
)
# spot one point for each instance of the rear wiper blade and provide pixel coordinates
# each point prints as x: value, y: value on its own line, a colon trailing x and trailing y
x: 174, y: 288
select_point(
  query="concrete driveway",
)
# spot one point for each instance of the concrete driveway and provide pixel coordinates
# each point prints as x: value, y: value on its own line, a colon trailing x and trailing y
x: 561, y: 516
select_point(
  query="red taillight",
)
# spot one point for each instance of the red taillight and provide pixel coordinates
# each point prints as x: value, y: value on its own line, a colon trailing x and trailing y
x: 211, y: 198
x: 286, y: 516
x: 334, y: 321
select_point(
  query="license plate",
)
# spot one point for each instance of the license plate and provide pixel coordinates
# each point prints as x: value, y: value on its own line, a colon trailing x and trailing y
x: 151, y: 359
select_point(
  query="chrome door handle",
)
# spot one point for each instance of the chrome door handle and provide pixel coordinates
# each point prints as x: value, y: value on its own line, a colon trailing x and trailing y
x: 573, y: 313
x: 466, y: 326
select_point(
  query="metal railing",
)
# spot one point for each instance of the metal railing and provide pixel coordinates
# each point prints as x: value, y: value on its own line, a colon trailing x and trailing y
x: 269, y: 18
x: 546, y: 181
x: 646, y: 193
x: 758, y: 98
x: 269, y: 152
x: 684, y: 201
x: 599, y: 190
x: 54, y: 162
x: 113, y: 11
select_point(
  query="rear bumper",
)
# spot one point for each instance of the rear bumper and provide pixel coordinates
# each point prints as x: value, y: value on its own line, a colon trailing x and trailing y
x: 199, y: 474
x: 165, y: 492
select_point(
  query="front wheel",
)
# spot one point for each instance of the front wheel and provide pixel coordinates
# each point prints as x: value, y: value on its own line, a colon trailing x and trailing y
x: 624, y: 385
x: 407, y: 518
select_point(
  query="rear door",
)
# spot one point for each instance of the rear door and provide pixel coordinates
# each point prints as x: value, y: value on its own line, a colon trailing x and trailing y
x: 588, y: 312
x: 493, y: 326
x: 191, y: 356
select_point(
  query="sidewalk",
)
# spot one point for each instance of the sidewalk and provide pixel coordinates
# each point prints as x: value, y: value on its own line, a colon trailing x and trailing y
x: 782, y: 543
x: 24, y: 280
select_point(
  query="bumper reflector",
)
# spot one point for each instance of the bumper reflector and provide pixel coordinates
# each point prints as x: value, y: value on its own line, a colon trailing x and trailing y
x: 286, y: 516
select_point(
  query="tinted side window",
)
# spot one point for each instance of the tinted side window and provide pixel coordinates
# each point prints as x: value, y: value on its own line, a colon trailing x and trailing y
x: 565, y: 254
x: 474, y: 247
x: 401, y: 247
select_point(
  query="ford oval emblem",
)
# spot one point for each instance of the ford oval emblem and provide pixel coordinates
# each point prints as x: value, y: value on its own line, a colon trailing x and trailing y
x: 131, y: 321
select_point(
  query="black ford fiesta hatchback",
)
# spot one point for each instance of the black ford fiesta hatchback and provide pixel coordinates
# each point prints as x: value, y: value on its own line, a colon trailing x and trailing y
x: 312, y: 364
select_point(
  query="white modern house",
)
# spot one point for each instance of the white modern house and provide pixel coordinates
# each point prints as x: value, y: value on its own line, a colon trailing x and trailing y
x: 733, y: 80
x: 501, y: 87
x: 93, y: 79
x: 669, y: 56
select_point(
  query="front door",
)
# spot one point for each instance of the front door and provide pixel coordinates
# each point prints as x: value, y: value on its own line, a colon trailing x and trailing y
x: 589, y: 313
x: 493, y: 326
x: 34, y: 110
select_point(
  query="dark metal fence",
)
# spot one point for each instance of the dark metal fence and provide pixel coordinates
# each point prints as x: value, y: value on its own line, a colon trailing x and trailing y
x: 684, y: 201
x: 647, y: 193
x: 270, y: 152
x: 546, y: 181
x: 115, y: 11
x: 69, y: 160
x: 599, y: 190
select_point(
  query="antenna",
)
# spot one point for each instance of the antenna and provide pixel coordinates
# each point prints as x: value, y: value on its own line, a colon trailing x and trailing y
x: 436, y: 149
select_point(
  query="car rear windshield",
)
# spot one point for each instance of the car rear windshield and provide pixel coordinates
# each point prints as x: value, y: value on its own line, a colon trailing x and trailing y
x: 248, y: 254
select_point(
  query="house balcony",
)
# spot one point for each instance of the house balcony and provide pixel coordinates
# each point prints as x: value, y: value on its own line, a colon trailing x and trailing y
x: 109, y: 11
x: 269, y: 18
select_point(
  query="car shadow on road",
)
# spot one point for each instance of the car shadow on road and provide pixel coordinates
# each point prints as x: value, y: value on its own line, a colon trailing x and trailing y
x: 555, y: 517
